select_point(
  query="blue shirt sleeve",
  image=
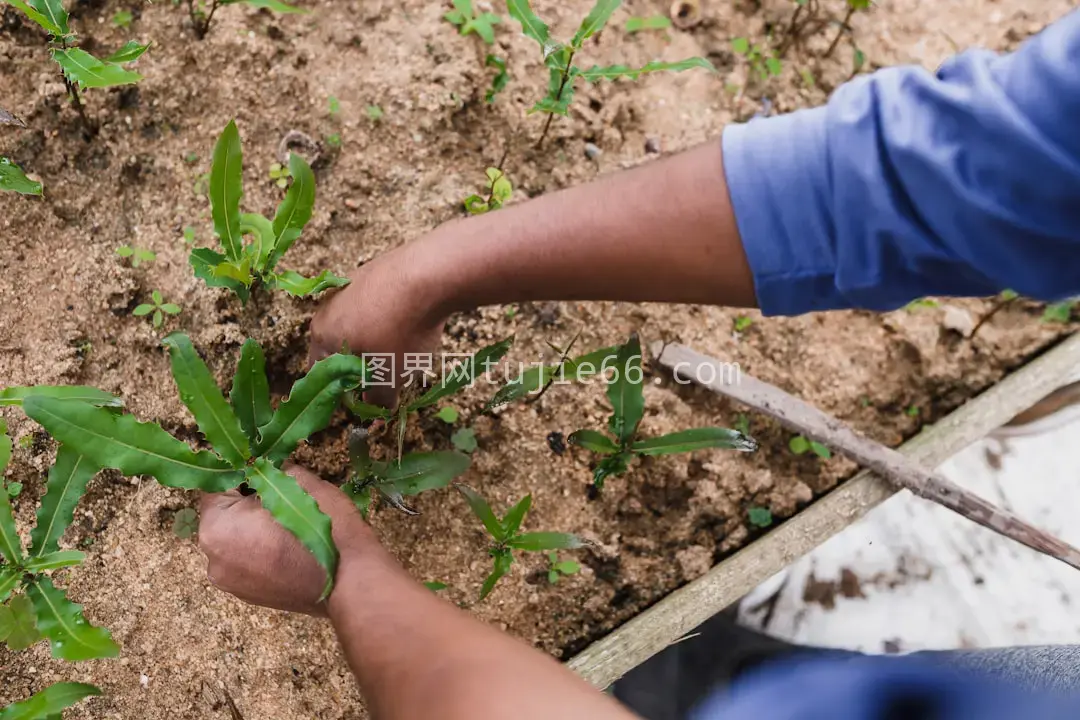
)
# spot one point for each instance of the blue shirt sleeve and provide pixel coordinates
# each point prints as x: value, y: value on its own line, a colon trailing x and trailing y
x: 909, y: 183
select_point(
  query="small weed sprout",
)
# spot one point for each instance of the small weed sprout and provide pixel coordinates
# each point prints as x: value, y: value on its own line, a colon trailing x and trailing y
x: 374, y: 113
x: 185, y: 523
x: 280, y: 175
x: 763, y: 63
x: 627, y: 399
x: 801, y: 445
x: 1060, y: 312
x: 202, y: 12
x: 464, y: 439
x: 559, y: 58
x: 506, y: 537
x: 13, y: 179
x: 123, y: 19
x: 435, y: 585
x: 136, y: 255
x: 557, y: 568
x: 499, y: 189
x: 501, y: 79
x: 653, y: 22
x: 448, y: 414
x: 156, y: 310
x: 242, y: 265
x: 469, y: 20
x: 760, y: 517
x: 743, y: 323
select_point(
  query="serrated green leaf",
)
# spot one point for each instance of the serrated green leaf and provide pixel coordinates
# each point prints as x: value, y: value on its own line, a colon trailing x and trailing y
x: 295, y: 210
x: 262, y: 244
x: 87, y: 71
x: 9, y: 580
x: 483, y: 512
x: 653, y: 22
x: 204, y: 261
x: 67, y: 482
x: 532, y: 26
x: 541, y: 541
x: 696, y: 439
x: 594, y: 21
x: 44, y: 14
x: 464, y: 374
x: 70, y: 637
x: 610, y: 466
x: 130, y: 52
x: 297, y: 512
x: 226, y: 190
x: 513, y: 518
x: 367, y: 411
x: 23, y: 631
x: 418, y: 472
x: 625, y: 393
x: 50, y: 702
x: 593, y: 441
x: 202, y: 396
x: 10, y: 544
x: 13, y: 179
x: 503, y: 561
x: 611, y: 72
x: 299, y: 286
x: 132, y: 447
x: 54, y: 561
x: 250, y: 393
x: 14, y: 396
x: 310, y: 405
x: 275, y: 5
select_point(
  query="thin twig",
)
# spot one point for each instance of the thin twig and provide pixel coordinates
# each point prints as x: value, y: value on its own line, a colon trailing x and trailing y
x: 1001, y: 305
x: 840, y: 32
x: 558, y: 97
x: 551, y: 381
x: 894, y: 467
x: 789, y: 34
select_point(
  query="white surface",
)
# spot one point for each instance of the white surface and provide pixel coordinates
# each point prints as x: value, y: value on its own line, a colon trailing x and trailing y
x: 930, y: 579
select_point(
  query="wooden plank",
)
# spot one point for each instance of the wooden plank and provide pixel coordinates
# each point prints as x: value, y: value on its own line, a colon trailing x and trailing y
x: 608, y: 659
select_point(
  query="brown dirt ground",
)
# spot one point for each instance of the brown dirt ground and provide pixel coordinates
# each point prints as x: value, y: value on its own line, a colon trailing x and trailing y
x: 67, y: 300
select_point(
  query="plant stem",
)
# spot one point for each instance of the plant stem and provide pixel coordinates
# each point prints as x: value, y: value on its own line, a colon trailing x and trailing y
x: 558, y: 96
x: 210, y: 16
x: 789, y: 34
x: 840, y: 32
x: 1001, y: 305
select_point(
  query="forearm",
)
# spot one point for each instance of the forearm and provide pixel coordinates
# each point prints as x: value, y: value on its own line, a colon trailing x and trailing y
x: 663, y: 232
x: 417, y: 656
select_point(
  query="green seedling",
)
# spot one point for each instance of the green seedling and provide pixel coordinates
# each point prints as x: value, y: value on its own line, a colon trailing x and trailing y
x: 760, y: 517
x: 280, y: 175
x: 448, y: 414
x: 123, y: 19
x: 334, y: 105
x: 763, y: 63
x: 499, y: 191
x: 801, y: 445
x: 191, y: 158
x: 157, y: 310
x: 243, y: 265
x: 501, y: 79
x: 743, y: 323
x: 334, y: 140
x: 13, y: 179
x: 557, y: 568
x: 921, y: 304
x: 392, y: 482
x: 742, y: 424
x: 507, y: 538
x: 559, y: 58
x: 1058, y: 312
x: 435, y: 585
x: 31, y: 607
x: 189, y: 235
x: 535, y: 381
x: 50, y: 703
x: 627, y: 399
x: 80, y: 69
x: 464, y: 440
x: 137, y: 256
x: 374, y: 113
x: 653, y: 22
x: 912, y: 411
x: 470, y: 20
x: 202, y: 12
x: 185, y: 523
x: 249, y: 439
x: 14, y: 489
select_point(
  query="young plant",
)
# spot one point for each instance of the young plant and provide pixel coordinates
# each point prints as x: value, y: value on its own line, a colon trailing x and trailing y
x: 801, y: 445
x: 627, y: 399
x: 80, y: 69
x: 501, y: 79
x: 159, y: 309
x: 1059, y: 312
x: 469, y: 20
x: 760, y: 517
x: 137, y: 255
x: 763, y: 63
x: 50, y: 702
x: 202, y: 12
x: 559, y: 58
x: 535, y: 381
x: 123, y: 19
x: 13, y: 179
x: 280, y: 175
x: 559, y: 568
x: 249, y: 439
x: 653, y: 22
x: 506, y: 537
x: 242, y: 265
x: 498, y: 189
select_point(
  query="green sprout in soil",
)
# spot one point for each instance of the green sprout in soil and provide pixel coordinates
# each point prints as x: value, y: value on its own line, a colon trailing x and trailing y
x: 1059, y: 312
x: 448, y: 414
x: 13, y: 179
x: 435, y: 585
x: 912, y: 411
x: 374, y: 113
x: 653, y: 22
x: 243, y: 265
x: 123, y: 19
x: 743, y: 323
x: 557, y: 568
x: 558, y: 57
x: 202, y: 12
x: 280, y: 175
x: 189, y: 235
x: 334, y: 106
x: 801, y: 445
x: 185, y: 523
x: 624, y: 391
x: 470, y: 20
x: 50, y: 703
x: 921, y: 304
x: 498, y: 189
x: 464, y: 439
x: 14, y: 489
x: 250, y: 439
x: 136, y: 255
x: 157, y: 310
x: 763, y: 63
x: 742, y: 424
x: 501, y: 79
x: 759, y: 517
x: 506, y: 537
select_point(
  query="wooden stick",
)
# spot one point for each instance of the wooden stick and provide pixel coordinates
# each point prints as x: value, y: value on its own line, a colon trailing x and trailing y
x: 821, y: 427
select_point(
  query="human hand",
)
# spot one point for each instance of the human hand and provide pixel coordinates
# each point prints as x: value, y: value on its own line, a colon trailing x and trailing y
x: 252, y: 557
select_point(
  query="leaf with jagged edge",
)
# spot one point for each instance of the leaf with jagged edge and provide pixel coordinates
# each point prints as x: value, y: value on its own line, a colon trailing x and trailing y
x: 87, y: 71
x: 130, y: 52
x: 310, y: 405
x: 50, y: 703
x: 295, y: 210
x: 23, y: 631
x: 464, y: 374
x: 297, y: 285
x: 695, y: 439
x: 14, y: 396
x: 418, y: 472
x: 49, y: 14
x: 625, y: 392
x: 132, y: 447
x: 10, y: 544
x: 67, y: 482
x: 262, y: 232
x: 70, y: 637
x: 533, y: 27
x: 250, y: 394
x: 9, y: 580
x: 226, y: 190
x: 205, y: 261
x: 594, y: 21
x: 611, y: 72
x: 202, y: 396
x: 593, y: 441
x: 13, y: 179
x: 54, y: 561
x: 296, y: 511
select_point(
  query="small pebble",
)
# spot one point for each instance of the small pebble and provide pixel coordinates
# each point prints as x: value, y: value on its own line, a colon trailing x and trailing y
x: 352, y: 204
x: 652, y: 146
x: 592, y: 152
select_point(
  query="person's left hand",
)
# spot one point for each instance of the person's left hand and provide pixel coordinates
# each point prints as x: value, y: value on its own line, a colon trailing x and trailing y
x: 252, y: 557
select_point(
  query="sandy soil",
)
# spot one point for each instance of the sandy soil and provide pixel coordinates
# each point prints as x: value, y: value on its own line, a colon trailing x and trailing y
x: 67, y: 301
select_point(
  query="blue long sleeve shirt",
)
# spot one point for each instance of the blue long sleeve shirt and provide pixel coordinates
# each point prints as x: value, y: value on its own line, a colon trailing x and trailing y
x: 910, y: 183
